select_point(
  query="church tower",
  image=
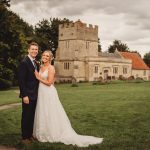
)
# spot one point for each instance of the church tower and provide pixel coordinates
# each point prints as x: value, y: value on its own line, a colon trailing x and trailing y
x: 77, y: 43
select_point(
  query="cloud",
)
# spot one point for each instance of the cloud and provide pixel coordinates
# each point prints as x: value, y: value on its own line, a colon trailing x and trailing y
x: 127, y: 20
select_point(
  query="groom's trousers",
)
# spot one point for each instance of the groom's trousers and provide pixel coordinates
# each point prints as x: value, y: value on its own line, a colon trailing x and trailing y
x: 27, y: 121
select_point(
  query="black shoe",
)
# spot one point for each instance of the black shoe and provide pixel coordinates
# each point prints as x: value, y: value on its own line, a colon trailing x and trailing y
x: 33, y: 139
x: 26, y: 141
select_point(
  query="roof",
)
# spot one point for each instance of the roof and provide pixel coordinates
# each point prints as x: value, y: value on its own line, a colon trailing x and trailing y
x: 112, y: 55
x: 137, y: 61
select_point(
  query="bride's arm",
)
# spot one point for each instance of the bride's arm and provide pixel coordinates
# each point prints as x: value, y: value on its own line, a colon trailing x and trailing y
x: 50, y: 78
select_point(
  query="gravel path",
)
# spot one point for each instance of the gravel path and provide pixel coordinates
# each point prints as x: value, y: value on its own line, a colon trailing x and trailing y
x: 3, y: 107
x: 7, y: 148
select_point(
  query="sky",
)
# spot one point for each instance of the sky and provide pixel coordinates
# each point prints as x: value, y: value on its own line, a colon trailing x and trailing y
x: 125, y: 20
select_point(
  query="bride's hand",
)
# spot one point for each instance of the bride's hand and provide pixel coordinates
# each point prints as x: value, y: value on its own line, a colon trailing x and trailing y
x: 37, y: 75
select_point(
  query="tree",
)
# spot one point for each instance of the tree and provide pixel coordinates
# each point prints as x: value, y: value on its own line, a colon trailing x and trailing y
x: 14, y: 36
x: 117, y: 44
x: 46, y: 33
x: 5, y: 3
x: 147, y: 59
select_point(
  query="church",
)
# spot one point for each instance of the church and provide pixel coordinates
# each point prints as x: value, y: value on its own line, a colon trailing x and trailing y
x: 77, y: 57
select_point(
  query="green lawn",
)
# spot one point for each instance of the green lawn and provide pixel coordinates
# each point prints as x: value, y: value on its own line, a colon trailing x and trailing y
x: 120, y: 113
x: 9, y: 96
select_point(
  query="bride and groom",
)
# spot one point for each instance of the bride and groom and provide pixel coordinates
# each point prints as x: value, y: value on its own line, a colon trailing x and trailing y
x: 43, y: 116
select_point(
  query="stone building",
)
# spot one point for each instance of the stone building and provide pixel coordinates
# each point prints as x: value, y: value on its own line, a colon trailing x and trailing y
x: 77, y: 56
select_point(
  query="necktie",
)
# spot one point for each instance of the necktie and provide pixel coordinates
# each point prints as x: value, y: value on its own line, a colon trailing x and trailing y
x: 35, y: 65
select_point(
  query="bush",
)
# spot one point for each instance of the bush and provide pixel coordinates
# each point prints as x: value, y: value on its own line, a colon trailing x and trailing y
x: 139, y: 78
x: 121, y: 77
x: 6, y: 77
x: 113, y: 77
x: 5, y: 84
x: 95, y: 83
x: 81, y: 81
x: 131, y: 78
x: 108, y: 77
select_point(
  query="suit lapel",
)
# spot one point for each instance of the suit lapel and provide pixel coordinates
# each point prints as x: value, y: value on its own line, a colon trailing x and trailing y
x: 30, y: 63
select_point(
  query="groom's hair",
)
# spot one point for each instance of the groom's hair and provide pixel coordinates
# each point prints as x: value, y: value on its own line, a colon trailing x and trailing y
x: 33, y: 43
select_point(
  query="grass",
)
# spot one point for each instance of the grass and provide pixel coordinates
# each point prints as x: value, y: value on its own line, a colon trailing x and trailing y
x: 9, y: 96
x: 120, y: 113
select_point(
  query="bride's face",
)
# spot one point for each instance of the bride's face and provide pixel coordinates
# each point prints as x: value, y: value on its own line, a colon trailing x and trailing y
x: 45, y: 57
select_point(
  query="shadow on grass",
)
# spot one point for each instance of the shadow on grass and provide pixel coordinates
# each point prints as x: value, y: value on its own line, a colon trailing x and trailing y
x: 57, y: 146
x: 14, y: 140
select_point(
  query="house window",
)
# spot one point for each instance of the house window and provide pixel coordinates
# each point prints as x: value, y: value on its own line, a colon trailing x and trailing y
x: 66, y: 66
x: 87, y: 44
x: 115, y: 70
x: 96, y: 69
x: 124, y: 70
x: 67, y: 44
x: 144, y: 73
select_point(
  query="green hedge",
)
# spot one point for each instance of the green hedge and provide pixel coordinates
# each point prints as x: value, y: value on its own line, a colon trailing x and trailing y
x: 6, y: 77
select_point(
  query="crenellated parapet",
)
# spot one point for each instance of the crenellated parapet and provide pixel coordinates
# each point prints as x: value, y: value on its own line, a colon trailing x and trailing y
x: 78, y: 30
x: 79, y: 25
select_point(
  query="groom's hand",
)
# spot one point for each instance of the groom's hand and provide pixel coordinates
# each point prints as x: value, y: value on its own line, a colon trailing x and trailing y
x: 26, y: 100
x: 37, y: 75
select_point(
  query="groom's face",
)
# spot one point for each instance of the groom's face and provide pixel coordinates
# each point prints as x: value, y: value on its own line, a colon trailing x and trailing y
x: 33, y: 51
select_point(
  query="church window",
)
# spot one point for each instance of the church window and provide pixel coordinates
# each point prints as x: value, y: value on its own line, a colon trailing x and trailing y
x: 115, y: 70
x: 96, y: 69
x: 144, y: 73
x: 67, y: 44
x: 66, y: 66
x: 87, y: 44
x: 124, y: 70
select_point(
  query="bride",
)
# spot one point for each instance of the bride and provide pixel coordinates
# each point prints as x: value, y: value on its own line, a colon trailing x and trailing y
x: 51, y: 123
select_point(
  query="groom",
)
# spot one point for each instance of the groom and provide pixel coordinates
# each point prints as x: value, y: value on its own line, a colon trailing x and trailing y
x: 28, y: 85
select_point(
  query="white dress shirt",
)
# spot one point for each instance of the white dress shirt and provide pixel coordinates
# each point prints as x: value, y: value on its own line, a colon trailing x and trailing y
x: 32, y: 59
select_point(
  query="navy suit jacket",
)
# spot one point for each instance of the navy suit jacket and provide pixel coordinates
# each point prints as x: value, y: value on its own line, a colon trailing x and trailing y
x: 28, y: 83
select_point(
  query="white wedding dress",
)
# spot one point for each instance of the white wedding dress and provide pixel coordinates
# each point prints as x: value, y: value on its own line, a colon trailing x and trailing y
x: 51, y: 123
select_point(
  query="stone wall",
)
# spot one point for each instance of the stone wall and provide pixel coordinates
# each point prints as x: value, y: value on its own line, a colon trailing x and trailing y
x: 140, y: 74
